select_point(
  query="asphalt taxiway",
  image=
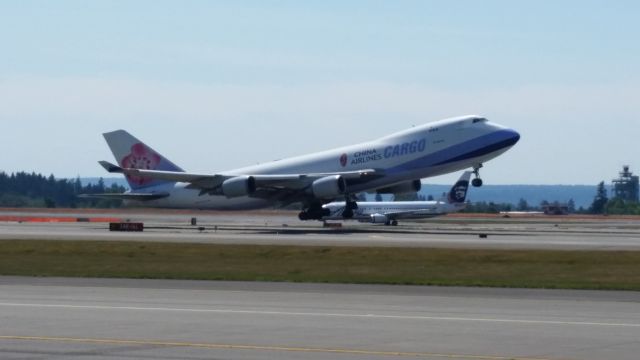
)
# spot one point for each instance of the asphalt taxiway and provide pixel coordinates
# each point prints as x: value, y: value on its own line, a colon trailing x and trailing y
x: 164, y: 319
x: 283, y: 228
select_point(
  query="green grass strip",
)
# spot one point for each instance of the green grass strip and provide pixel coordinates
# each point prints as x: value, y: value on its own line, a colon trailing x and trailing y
x: 373, y: 265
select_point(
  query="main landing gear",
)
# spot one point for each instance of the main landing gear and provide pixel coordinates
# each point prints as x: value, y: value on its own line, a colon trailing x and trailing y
x: 477, y: 181
x: 350, y: 205
x: 315, y: 211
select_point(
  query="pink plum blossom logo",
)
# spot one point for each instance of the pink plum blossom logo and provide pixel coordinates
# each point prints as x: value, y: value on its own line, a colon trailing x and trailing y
x: 343, y: 160
x: 141, y: 157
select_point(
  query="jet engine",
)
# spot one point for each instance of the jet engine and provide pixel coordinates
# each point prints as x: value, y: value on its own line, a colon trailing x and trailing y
x: 239, y: 186
x: 329, y: 187
x: 402, y: 188
x: 378, y: 219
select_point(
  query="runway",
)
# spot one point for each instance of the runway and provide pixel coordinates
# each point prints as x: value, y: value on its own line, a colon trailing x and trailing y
x: 43, y: 318
x: 163, y: 319
x: 283, y: 228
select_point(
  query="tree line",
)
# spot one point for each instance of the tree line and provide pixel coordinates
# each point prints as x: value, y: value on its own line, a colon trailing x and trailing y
x: 601, y: 205
x: 615, y: 206
x: 22, y: 189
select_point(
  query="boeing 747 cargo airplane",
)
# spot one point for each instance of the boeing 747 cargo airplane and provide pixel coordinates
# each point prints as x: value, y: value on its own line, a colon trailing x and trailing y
x: 391, y: 164
x: 389, y: 212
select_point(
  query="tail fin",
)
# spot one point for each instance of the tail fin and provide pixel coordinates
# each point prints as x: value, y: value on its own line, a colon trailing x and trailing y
x: 133, y: 153
x: 458, y: 193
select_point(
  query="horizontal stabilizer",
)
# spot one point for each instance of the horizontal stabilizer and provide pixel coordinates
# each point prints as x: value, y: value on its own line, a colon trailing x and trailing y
x: 112, y: 168
x: 126, y: 196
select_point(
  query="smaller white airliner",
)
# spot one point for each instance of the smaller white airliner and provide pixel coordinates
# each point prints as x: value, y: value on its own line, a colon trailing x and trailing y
x: 388, y: 212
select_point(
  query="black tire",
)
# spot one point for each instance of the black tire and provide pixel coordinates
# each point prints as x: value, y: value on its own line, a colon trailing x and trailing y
x: 303, y: 216
x: 394, y: 223
x: 477, y: 182
x: 347, y: 213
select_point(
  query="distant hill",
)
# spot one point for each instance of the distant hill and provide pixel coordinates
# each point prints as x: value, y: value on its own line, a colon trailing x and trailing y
x: 582, y: 195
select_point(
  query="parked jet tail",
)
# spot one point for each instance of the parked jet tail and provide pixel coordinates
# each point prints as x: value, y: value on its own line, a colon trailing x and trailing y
x: 458, y: 193
x: 133, y: 153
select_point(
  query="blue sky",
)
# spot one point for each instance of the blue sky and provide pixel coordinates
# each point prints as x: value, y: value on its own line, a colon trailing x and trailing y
x: 219, y: 85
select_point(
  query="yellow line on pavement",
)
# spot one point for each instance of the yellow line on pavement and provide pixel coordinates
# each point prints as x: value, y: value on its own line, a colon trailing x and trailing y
x: 265, y: 348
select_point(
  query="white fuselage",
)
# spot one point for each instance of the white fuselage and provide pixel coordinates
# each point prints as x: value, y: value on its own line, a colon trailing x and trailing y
x: 423, y: 151
x: 396, y: 209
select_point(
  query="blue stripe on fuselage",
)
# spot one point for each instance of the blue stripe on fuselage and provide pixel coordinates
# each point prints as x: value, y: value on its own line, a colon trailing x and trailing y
x: 466, y: 150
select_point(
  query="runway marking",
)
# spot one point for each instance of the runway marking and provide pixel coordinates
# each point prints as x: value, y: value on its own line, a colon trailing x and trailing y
x: 266, y: 348
x: 318, y: 314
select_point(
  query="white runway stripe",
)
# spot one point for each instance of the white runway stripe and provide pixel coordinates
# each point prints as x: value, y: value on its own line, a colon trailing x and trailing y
x: 320, y: 314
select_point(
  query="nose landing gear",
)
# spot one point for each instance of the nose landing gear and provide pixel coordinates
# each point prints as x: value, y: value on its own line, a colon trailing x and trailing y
x: 477, y: 181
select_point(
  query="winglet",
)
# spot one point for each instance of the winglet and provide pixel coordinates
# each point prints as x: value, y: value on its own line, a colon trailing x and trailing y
x: 111, y: 167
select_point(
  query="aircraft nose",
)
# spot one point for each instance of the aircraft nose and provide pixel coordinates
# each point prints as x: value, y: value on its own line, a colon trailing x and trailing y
x: 513, y: 136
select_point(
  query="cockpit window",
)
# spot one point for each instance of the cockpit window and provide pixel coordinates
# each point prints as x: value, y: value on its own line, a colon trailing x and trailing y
x: 477, y: 120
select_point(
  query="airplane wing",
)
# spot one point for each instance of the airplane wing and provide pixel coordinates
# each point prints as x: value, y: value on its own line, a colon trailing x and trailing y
x: 424, y: 212
x: 272, y: 186
x: 126, y: 196
x: 414, y: 213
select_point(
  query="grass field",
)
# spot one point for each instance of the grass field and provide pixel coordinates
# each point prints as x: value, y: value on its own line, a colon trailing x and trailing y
x: 416, y: 266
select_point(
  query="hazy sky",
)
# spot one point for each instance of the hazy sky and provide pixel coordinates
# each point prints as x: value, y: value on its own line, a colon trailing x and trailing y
x: 219, y: 85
